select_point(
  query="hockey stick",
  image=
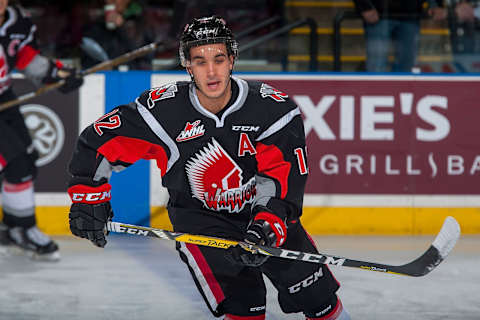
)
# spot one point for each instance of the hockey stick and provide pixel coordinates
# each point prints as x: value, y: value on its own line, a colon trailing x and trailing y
x: 98, y: 67
x: 436, y: 253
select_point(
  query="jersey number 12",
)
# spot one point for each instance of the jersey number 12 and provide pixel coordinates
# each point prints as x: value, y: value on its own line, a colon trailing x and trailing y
x: 108, y: 121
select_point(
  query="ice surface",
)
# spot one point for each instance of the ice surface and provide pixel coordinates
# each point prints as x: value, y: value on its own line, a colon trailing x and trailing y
x: 140, y: 278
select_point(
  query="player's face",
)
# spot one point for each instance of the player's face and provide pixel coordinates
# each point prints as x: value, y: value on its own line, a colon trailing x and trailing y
x: 211, y: 66
x: 120, y: 5
x: 3, y: 6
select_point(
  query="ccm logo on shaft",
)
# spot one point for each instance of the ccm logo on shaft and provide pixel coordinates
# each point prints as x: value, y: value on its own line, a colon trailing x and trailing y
x: 310, y: 257
x: 131, y: 231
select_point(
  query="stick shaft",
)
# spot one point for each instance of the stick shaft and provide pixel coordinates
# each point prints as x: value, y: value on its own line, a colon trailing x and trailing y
x: 98, y: 67
x: 122, y: 58
x: 418, y: 267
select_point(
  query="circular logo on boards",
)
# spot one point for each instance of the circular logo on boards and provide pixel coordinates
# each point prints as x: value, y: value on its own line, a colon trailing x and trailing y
x: 46, y: 130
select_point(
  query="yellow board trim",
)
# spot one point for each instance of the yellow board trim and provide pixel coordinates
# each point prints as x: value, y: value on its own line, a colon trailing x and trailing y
x: 369, y: 221
x: 329, y: 58
x: 159, y: 218
x: 321, y: 220
x: 360, y: 31
x: 386, y: 221
x: 323, y: 4
x: 51, y: 220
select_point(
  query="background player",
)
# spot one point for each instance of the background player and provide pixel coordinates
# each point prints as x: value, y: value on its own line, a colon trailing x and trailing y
x: 18, y: 49
x: 232, y: 156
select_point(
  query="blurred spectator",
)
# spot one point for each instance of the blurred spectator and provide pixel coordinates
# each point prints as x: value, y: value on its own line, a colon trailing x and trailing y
x: 119, y: 30
x: 185, y: 10
x: 467, y: 11
x: 464, y: 24
x: 67, y: 36
x: 464, y: 10
x: 241, y: 14
x: 391, y: 22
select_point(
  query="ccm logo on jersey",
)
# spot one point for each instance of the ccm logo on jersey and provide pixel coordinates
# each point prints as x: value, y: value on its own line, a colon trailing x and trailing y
x: 191, y: 131
x: 160, y: 93
x: 306, y: 282
x: 269, y: 91
x: 246, y: 128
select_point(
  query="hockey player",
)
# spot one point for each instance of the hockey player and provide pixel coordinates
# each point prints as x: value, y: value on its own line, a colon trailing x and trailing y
x: 18, y: 50
x: 232, y: 156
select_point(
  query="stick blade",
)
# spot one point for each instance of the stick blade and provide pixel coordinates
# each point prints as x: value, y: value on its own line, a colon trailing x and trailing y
x: 438, y: 251
x: 447, y: 237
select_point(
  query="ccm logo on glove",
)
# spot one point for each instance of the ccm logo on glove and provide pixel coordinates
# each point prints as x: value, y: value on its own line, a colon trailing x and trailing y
x: 92, y: 195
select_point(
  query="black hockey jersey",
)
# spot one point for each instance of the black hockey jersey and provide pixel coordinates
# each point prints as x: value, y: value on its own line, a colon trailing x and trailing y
x: 17, y: 44
x: 217, y: 169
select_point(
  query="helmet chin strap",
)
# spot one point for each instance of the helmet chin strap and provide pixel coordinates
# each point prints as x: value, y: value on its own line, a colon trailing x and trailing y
x: 192, y: 78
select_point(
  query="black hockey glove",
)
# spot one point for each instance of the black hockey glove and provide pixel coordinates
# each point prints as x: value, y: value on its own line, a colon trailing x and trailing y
x: 90, y: 212
x: 59, y: 72
x: 265, y: 229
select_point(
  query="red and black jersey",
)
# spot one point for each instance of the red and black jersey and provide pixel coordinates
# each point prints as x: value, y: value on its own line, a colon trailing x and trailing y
x: 17, y: 44
x: 218, y: 169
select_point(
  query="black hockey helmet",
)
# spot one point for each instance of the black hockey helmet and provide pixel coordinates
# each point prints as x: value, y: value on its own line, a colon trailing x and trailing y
x: 203, y: 31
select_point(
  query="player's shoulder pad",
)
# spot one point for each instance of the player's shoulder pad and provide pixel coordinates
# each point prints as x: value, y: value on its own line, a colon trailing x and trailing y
x: 155, y: 96
x: 21, y: 21
x: 21, y: 12
x: 127, y: 108
x: 269, y: 96
x: 267, y: 92
x: 128, y: 113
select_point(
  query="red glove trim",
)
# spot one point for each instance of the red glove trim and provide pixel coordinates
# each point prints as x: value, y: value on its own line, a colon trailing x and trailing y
x: 25, y: 56
x: 3, y: 162
x: 277, y: 225
x: 81, y: 193
x: 59, y: 64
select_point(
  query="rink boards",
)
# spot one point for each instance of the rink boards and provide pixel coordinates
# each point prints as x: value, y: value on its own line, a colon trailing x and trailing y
x: 387, y: 154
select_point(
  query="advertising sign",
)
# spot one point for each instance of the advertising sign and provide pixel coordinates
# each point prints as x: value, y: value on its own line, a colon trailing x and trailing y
x: 53, y: 123
x: 412, y: 135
